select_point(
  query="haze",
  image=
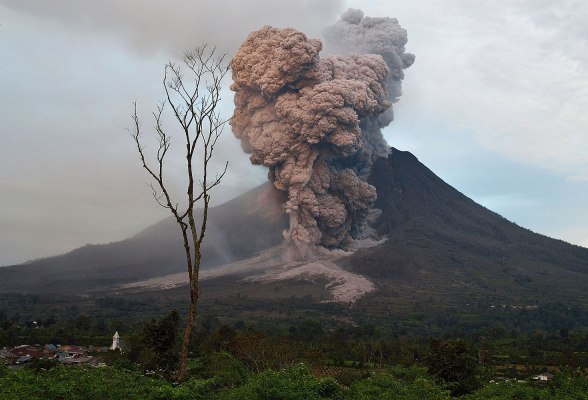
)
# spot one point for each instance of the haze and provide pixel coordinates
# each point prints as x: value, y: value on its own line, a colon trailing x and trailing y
x: 494, y: 104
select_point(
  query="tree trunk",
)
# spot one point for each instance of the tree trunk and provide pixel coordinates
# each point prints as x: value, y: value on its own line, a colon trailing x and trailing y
x: 187, y: 333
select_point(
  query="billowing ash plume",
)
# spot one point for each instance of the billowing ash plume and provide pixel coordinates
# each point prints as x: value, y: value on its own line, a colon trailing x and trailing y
x: 315, y: 123
x: 356, y: 34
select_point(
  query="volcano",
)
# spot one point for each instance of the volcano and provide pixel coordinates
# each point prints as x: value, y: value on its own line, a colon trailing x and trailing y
x: 236, y: 229
x: 436, y: 246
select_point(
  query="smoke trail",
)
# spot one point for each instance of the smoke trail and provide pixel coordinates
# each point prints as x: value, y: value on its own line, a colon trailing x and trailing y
x: 316, y: 123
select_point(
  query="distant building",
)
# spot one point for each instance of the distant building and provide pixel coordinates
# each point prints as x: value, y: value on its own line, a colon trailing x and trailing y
x: 71, y: 351
x: 116, y: 342
x: 5, y: 356
x: 26, y: 350
x: 23, y: 359
x: 79, y: 360
x: 68, y: 354
x: 544, y: 377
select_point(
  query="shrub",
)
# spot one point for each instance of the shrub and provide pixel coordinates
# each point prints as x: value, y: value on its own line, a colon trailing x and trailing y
x: 295, y: 383
x: 225, y: 369
x: 385, y: 386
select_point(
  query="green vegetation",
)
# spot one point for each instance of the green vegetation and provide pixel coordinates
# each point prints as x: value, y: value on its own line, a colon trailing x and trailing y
x: 454, y: 363
x: 264, y: 357
x: 292, y: 383
x: 390, y: 314
x: 95, y: 383
x: 564, y: 387
x: 157, y: 346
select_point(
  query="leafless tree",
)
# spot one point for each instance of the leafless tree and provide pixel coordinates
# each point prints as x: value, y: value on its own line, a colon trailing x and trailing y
x: 194, y: 103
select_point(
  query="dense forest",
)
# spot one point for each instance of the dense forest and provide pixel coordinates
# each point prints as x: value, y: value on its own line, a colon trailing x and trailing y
x: 309, y: 359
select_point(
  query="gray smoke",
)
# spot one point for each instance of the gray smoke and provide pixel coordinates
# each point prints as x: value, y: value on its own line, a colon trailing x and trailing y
x: 316, y: 123
x: 356, y: 34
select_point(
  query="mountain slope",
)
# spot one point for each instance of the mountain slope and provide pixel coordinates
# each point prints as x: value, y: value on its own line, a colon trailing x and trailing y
x: 236, y: 229
x: 443, y: 244
x: 442, y: 248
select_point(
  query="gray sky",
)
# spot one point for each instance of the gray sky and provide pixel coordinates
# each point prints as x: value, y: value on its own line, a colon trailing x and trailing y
x: 494, y: 104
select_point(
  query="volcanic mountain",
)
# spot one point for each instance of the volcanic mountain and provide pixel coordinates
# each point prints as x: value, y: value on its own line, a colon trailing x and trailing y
x: 236, y: 229
x: 438, y: 246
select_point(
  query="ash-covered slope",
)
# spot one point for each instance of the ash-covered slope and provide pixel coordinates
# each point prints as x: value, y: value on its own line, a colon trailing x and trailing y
x: 444, y: 245
x: 441, y: 246
x: 442, y: 249
x: 236, y: 229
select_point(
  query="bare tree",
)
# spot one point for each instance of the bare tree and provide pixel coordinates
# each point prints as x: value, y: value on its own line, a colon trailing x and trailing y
x: 194, y: 103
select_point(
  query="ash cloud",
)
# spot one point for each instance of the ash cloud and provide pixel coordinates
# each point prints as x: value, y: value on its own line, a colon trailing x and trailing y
x: 316, y: 122
x: 356, y: 34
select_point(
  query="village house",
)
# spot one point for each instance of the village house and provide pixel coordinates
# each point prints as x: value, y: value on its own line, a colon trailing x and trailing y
x: 66, y: 354
x: 4, y: 356
x: 70, y: 351
x: 26, y: 351
x: 80, y: 360
x: 544, y: 377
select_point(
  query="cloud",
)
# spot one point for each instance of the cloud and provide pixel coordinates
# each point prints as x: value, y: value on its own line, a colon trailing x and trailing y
x: 517, y: 81
x: 175, y: 26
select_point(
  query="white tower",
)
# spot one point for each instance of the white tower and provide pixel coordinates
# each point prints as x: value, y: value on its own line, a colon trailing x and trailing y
x: 115, y: 342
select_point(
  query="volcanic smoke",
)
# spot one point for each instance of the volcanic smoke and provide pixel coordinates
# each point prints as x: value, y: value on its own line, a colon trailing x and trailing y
x: 316, y: 122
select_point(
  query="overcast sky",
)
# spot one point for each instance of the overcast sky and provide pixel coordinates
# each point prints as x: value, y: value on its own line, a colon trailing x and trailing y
x: 495, y: 104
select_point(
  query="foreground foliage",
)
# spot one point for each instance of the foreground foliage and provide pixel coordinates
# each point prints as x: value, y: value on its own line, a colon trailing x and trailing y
x: 563, y: 388
x: 232, y: 381
x: 291, y: 384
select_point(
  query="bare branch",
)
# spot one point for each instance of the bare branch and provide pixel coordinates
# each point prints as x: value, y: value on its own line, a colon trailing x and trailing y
x: 194, y: 105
